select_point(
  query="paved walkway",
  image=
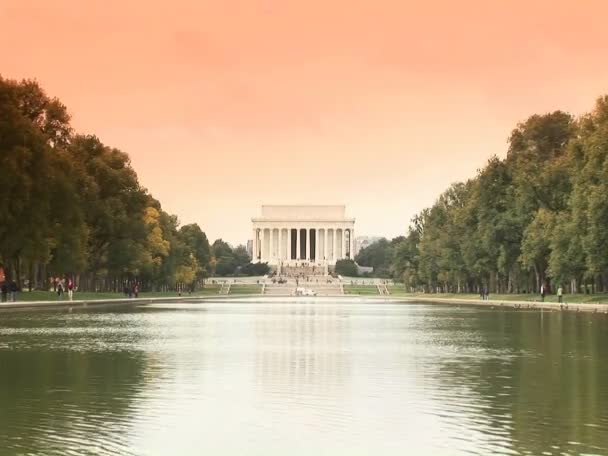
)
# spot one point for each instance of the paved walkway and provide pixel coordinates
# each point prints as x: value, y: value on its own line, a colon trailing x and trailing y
x: 576, y: 307
x: 496, y: 304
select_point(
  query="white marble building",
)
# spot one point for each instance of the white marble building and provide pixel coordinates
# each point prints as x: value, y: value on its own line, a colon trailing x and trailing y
x: 303, y: 235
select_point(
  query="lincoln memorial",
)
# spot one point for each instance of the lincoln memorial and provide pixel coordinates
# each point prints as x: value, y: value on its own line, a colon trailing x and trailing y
x: 299, y: 235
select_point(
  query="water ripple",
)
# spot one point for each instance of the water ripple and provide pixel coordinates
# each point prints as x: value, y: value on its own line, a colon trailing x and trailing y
x: 302, y: 378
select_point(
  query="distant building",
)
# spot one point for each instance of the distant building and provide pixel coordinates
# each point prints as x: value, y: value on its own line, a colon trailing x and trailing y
x: 293, y: 235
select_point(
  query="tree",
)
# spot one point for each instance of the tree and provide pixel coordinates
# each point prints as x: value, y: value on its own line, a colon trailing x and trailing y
x: 37, y: 201
x: 346, y: 268
x: 379, y: 255
x: 538, y: 215
x: 225, y: 263
x: 536, y: 244
x: 197, y: 242
x: 73, y: 206
x: 255, y: 269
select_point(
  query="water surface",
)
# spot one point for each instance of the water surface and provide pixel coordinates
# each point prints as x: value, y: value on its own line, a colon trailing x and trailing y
x: 303, y: 377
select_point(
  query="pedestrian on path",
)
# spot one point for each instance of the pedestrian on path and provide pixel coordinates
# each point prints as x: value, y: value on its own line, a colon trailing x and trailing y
x: 13, y: 289
x: 560, y: 293
x: 70, y: 289
x: 4, y: 289
x: 542, y: 292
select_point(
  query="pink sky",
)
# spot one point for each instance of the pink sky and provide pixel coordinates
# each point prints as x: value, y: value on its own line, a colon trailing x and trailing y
x: 226, y: 105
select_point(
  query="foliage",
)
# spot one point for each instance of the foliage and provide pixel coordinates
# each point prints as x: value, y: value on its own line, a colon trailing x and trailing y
x: 227, y: 261
x: 346, y: 268
x: 379, y: 255
x: 72, y: 206
x: 539, y: 216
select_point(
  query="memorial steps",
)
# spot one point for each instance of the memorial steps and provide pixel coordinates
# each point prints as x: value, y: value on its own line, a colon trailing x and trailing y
x: 275, y: 289
x: 303, y: 271
x: 321, y: 288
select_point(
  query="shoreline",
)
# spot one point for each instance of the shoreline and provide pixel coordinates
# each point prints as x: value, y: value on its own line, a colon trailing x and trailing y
x: 525, y: 305
x: 30, y: 306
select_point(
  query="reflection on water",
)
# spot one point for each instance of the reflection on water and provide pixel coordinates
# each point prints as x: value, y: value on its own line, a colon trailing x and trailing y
x: 302, y: 351
x: 64, y: 389
x: 304, y: 378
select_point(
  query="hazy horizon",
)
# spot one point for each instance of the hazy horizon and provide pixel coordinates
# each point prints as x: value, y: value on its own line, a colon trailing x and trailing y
x: 225, y: 106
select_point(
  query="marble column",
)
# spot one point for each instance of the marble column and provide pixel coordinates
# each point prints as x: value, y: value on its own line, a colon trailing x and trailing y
x: 286, y: 237
x: 280, y: 244
x: 271, y: 245
x: 352, y: 244
x: 270, y: 236
x: 258, y: 245
x: 262, y: 248
x: 307, y: 244
x: 289, y: 244
x: 317, y: 245
x: 335, y: 246
x: 325, y: 237
x: 298, y: 246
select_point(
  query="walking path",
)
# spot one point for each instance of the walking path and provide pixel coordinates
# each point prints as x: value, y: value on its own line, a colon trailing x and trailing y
x: 575, y: 307
x: 494, y: 304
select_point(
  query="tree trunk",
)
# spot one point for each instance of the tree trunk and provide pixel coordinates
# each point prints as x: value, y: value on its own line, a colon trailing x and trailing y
x: 538, y: 278
x: 18, y: 272
x: 30, y: 271
x: 573, y: 286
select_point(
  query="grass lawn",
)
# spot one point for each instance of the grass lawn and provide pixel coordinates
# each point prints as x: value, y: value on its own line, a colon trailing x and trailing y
x: 394, y: 290
x: 361, y: 289
x: 600, y: 298
x: 246, y: 289
x: 91, y: 295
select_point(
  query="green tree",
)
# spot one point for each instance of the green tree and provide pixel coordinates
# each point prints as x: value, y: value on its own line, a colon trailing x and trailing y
x: 346, y: 268
x: 197, y: 242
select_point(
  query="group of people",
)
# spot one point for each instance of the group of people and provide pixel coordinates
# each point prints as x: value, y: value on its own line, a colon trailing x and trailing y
x: 63, y: 286
x: 132, y: 290
x: 7, y: 288
x: 544, y: 289
x: 484, y: 293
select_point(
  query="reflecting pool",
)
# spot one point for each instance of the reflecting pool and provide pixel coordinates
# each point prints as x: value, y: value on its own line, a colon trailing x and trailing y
x: 303, y: 377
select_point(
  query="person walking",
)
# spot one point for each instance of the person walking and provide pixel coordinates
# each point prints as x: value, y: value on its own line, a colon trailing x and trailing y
x: 4, y: 289
x: 560, y: 293
x: 13, y: 289
x: 70, y: 289
x: 60, y: 289
x: 542, y: 292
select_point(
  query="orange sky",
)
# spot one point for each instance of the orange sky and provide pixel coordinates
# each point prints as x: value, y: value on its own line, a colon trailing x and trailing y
x: 225, y: 105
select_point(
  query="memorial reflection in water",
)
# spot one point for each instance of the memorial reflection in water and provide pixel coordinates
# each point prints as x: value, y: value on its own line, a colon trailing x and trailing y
x: 297, y: 376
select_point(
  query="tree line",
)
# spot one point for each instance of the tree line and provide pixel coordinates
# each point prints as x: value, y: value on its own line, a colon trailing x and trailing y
x: 537, y: 217
x: 71, y: 206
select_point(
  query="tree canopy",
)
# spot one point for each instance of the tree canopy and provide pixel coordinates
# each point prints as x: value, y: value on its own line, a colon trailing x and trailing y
x: 236, y: 261
x: 73, y: 206
x: 379, y: 255
x: 539, y: 216
x: 346, y: 267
